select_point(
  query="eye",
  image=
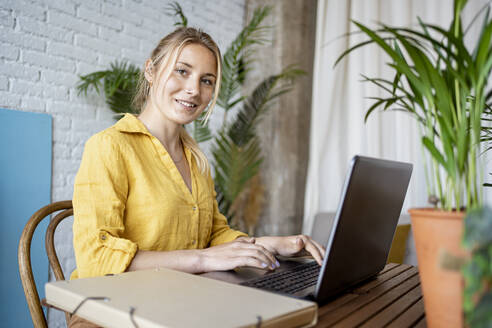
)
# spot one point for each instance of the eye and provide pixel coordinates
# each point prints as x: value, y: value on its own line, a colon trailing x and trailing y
x: 208, y: 81
x: 180, y: 71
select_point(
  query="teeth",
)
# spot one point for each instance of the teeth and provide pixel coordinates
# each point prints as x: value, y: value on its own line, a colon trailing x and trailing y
x: 185, y: 103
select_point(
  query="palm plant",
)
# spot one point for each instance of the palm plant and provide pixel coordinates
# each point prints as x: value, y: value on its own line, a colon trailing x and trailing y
x: 119, y: 84
x: 443, y: 85
x: 236, y: 150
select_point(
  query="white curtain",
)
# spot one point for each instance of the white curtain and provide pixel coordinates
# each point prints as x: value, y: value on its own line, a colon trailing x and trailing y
x: 338, y: 131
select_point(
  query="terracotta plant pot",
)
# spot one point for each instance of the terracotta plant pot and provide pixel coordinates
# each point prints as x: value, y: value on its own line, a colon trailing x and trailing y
x: 436, y: 231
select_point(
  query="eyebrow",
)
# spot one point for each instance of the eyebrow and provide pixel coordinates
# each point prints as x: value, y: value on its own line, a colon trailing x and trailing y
x: 190, y: 66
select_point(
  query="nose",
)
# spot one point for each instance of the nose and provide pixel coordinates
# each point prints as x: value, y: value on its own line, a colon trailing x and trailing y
x: 192, y: 86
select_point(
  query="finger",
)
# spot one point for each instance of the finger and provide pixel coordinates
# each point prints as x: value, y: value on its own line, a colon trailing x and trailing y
x: 265, y: 251
x: 252, y: 262
x: 270, y: 260
x: 319, y: 247
x: 314, y: 251
x: 300, y: 243
x: 268, y: 254
x: 250, y: 240
x: 260, y: 256
x: 300, y: 246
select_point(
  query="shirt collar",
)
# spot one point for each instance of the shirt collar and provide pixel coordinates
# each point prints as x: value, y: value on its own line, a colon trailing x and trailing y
x: 130, y: 123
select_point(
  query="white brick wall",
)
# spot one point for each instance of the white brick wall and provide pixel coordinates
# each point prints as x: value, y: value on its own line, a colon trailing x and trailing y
x: 46, y: 44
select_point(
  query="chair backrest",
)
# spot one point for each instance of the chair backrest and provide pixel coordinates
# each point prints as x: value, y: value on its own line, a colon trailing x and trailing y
x: 24, y: 256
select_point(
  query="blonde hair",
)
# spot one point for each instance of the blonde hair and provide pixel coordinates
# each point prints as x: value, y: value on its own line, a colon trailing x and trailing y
x: 164, y: 58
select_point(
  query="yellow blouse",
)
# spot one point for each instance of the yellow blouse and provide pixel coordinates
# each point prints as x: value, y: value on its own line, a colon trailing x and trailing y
x: 129, y: 195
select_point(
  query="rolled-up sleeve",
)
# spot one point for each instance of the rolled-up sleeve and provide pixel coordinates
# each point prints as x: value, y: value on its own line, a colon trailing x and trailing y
x: 100, y: 194
x: 221, y: 232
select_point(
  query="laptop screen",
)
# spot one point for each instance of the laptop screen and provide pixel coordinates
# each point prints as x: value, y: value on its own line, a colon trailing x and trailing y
x: 364, y: 225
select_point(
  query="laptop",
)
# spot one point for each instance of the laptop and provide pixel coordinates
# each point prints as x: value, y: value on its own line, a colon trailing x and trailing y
x: 358, y: 242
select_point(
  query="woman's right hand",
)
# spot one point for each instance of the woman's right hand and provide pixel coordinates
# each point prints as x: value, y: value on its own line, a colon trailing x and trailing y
x: 238, y: 253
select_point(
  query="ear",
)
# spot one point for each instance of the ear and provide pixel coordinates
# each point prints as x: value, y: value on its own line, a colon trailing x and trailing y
x: 149, y: 68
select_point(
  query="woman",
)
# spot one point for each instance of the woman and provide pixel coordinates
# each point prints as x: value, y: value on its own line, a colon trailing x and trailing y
x: 144, y: 197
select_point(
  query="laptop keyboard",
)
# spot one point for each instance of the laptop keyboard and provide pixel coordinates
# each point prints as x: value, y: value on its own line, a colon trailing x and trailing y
x: 290, y: 281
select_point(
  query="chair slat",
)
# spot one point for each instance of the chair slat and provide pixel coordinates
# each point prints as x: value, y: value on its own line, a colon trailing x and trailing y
x: 50, y: 243
x: 24, y: 258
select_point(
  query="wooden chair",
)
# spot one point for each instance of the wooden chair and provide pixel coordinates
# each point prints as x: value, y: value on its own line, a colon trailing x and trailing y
x: 24, y: 256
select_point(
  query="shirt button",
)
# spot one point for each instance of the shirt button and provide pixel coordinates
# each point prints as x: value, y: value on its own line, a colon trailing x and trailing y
x: 194, y: 208
x: 103, y: 236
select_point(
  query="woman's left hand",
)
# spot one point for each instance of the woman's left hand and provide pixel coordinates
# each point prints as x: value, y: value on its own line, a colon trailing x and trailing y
x: 293, y: 246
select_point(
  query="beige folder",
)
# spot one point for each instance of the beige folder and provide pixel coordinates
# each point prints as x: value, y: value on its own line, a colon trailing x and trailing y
x: 168, y: 298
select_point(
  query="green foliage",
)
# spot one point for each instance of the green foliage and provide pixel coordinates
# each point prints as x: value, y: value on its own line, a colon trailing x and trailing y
x: 442, y: 84
x: 236, y: 149
x: 119, y: 84
x: 174, y: 9
x: 477, y: 301
x: 487, y: 127
x: 238, y: 57
x: 242, y: 130
x: 234, y: 166
x: 200, y: 130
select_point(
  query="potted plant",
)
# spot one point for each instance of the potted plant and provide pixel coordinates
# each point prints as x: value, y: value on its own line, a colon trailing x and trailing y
x: 442, y: 84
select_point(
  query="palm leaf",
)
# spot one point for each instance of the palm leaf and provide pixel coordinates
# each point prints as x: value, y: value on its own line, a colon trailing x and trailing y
x: 442, y: 84
x: 90, y: 81
x: 174, y: 10
x: 243, y: 128
x: 119, y: 84
x: 403, y: 97
x: 200, y: 130
x: 445, y: 86
x: 429, y: 144
x: 399, y: 63
x: 234, y: 166
x: 358, y: 45
x: 236, y: 150
x: 236, y: 59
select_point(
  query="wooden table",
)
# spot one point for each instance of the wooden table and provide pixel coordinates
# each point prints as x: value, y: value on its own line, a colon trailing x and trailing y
x: 392, y: 299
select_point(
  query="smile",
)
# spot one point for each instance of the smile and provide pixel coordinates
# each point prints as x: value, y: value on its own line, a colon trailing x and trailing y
x: 185, y: 103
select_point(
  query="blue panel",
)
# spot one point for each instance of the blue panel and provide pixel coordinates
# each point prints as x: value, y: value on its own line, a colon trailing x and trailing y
x: 25, y: 186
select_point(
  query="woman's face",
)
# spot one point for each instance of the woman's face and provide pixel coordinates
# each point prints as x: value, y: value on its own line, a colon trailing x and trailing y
x: 190, y: 86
